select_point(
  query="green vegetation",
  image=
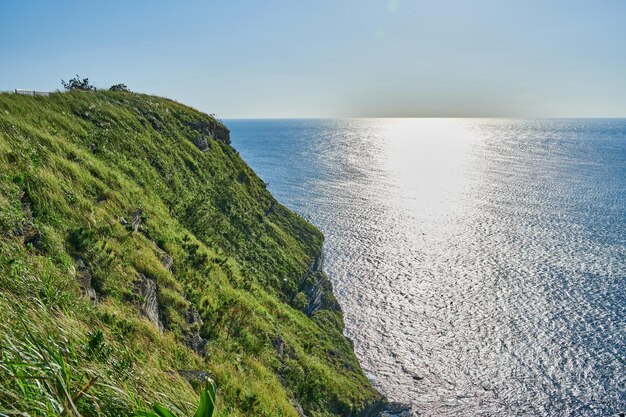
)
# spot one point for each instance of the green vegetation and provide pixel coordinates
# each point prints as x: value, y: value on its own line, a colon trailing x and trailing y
x: 119, y: 87
x: 77, y: 83
x: 206, y: 407
x: 139, y: 254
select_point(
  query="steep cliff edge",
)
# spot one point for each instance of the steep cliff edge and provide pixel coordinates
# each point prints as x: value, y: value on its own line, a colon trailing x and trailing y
x: 138, y: 251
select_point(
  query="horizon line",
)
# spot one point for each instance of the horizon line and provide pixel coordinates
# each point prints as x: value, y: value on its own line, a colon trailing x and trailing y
x: 424, y: 117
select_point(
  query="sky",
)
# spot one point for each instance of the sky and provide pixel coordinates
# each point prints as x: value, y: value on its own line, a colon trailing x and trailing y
x: 331, y: 58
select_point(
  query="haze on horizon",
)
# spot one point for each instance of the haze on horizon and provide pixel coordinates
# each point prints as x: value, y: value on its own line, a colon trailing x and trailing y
x: 353, y: 58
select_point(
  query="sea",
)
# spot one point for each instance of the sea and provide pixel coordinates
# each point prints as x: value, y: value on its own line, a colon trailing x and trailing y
x: 480, y: 263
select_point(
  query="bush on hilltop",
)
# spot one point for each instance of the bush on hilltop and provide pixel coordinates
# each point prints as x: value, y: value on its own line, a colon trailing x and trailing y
x: 77, y: 83
x: 119, y: 87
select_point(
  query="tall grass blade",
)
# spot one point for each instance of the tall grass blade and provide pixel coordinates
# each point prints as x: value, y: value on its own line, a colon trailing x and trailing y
x: 162, y: 411
x: 207, y: 401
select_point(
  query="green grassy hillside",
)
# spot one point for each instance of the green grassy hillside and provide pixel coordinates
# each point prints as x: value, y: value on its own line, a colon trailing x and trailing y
x: 138, y: 253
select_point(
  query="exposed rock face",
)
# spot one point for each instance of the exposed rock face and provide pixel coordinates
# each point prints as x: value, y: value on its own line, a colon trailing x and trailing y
x: 194, y: 340
x: 298, y: 408
x: 136, y: 222
x: 315, y: 297
x: 202, y: 143
x: 84, y: 281
x: 397, y: 410
x: 222, y: 134
x: 167, y: 261
x: 211, y: 128
x: 318, y: 263
x: 386, y: 409
x: 279, y: 346
x: 316, y: 289
x: 149, y: 304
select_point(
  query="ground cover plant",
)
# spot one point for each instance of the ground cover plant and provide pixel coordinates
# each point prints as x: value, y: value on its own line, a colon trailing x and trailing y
x: 139, y: 255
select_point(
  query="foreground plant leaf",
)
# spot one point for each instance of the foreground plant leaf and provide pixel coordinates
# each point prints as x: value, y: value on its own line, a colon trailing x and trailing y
x: 162, y: 411
x: 207, y: 400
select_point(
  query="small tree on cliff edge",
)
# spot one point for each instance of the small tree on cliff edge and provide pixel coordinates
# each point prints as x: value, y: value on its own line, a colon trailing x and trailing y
x: 119, y: 87
x: 77, y: 83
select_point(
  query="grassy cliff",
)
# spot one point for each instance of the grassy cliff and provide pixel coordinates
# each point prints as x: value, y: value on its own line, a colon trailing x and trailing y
x: 138, y: 253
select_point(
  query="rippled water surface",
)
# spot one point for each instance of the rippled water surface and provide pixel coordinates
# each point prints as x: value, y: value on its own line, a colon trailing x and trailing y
x: 481, y: 264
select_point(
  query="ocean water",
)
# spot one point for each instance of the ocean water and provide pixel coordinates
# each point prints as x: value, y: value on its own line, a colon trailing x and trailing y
x: 480, y: 264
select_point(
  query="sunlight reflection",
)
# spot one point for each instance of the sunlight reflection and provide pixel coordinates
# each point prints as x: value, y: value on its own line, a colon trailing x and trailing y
x: 427, y: 159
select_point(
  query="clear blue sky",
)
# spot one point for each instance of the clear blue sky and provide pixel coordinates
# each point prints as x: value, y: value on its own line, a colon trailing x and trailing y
x: 331, y: 58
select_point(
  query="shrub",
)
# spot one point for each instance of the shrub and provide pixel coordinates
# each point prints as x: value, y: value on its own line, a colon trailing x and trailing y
x: 119, y: 87
x: 77, y: 83
x: 97, y: 347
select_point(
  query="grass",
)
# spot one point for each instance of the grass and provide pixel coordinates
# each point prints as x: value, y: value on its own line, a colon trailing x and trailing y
x: 206, y: 405
x: 76, y: 169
